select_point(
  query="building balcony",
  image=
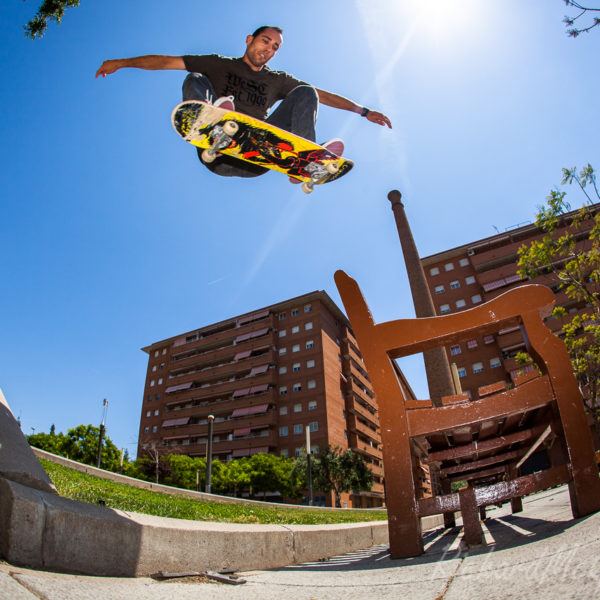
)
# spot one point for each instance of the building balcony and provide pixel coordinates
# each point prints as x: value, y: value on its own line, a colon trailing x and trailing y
x: 354, y: 424
x: 197, y: 371
x: 219, y: 390
x: 353, y: 406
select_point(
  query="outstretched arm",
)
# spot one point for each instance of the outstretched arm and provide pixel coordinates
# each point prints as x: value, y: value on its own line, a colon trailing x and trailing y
x: 336, y: 101
x: 151, y: 62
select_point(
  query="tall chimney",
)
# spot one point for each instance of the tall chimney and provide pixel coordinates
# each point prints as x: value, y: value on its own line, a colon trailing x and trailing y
x: 437, y: 368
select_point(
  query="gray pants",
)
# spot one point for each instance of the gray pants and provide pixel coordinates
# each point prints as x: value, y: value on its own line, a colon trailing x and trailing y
x: 296, y: 113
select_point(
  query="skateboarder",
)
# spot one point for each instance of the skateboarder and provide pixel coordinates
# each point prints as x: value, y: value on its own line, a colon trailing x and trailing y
x: 247, y: 85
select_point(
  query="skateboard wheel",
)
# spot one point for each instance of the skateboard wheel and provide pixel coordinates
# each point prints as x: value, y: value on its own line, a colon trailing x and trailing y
x: 332, y: 168
x: 307, y: 188
x: 208, y: 156
x: 230, y: 127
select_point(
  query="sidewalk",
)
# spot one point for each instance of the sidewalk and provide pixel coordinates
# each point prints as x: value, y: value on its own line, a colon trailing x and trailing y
x: 539, y: 553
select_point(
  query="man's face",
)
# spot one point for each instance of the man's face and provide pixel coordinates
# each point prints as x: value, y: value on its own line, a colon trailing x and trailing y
x: 261, y: 49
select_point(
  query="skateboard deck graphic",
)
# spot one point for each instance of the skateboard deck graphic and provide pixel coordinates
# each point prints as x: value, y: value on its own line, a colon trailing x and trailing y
x: 218, y: 130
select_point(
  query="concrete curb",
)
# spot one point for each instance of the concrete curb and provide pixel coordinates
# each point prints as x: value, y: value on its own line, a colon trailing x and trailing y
x: 39, y: 529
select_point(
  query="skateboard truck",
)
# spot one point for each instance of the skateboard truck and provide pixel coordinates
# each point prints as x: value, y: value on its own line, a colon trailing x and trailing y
x: 318, y: 172
x: 222, y: 136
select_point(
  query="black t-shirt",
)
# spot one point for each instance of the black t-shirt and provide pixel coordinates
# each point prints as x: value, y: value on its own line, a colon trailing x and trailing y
x: 255, y: 92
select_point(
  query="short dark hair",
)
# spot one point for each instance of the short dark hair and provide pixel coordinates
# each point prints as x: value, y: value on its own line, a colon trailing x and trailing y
x: 264, y: 27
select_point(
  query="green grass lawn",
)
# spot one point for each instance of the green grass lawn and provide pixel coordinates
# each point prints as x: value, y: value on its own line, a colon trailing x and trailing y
x: 93, y: 490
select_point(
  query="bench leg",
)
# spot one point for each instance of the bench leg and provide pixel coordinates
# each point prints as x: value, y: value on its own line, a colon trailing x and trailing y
x: 473, y: 535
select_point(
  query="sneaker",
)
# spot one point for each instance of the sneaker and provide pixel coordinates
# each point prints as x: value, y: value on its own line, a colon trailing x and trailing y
x: 225, y: 102
x: 335, y: 146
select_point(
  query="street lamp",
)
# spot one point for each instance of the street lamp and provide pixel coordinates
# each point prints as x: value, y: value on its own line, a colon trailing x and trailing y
x: 211, y: 419
x: 308, y: 469
x: 104, y: 410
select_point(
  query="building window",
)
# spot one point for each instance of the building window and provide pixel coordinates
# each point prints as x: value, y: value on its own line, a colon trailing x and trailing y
x: 462, y: 372
x: 283, y: 410
x: 283, y: 390
x: 149, y: 398
x: 296, y: 367
x: 310, y: 364
x: 308, y: 326
x: 156, y: 413
x: 296, y: 348
x: 155, y: 353
x: 298, y: 452
x: 472, y: 344
x: 440, y: 289
x: 160, y: 381
x: 281, y: 316
x: 463, y: 262
x: 449, y: 267
x: 297, y: 429
x: 460, y: 303
x: 282, y: 333
x: 283, y: 453
x: 495, y: 363
x: 297, y: 387
x: 283, y: 431
x: 282, y: 370
x: 282, y: 351
x: 478, y: 367
x: 294, y: 312
x: 307, y: 308
x: 314, y: 426
x: 470, y: 280
x: 312, y: 405
x: 152, y: 383
x: 314, y: 449
x: 476, y: 299
x: 298, y: 407
x: 488, y: 339
x: 454, y: 285
x: 154, y: 429
x: 444, y: 308
x: 434, y: 271
x: 146, y: 430
x: 312, y: 384
x: 309, y: 345
x: 148, y: 413
x: 154, y: 369
x: 454, y: 350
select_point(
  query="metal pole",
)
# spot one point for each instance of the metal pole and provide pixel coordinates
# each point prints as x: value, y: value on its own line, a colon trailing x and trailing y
x: 101, y: 436
x: 211, y: 418
x: 308, y: 467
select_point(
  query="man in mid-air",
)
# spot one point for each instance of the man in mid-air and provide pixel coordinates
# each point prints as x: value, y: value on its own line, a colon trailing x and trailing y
x: 247, y: 85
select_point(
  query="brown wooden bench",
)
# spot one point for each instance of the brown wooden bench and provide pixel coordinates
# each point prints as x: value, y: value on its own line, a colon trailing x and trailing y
x: 482, y: 441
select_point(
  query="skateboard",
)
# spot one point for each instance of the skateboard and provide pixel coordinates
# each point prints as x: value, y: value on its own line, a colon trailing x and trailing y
x: 221, y: 131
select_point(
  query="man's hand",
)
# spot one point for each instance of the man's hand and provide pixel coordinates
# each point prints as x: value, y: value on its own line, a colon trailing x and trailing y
x: 107, y: 68
x: 379, y: 118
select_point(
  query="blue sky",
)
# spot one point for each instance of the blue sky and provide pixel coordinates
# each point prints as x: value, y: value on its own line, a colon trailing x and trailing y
x: 113, y: 236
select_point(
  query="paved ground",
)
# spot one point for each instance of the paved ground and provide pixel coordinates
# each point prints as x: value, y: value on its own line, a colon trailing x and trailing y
x: 540, y: 553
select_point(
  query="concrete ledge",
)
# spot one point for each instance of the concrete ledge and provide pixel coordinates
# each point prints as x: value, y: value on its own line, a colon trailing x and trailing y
x: 44, y: 531
x: 39, y: 529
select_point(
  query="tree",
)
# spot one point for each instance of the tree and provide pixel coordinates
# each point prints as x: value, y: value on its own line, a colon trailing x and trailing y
x: 50, y: 442
x: 79, y: 443
x: 570, y: 249
x: 338, y: 471
x: 236, y: 475
x: 53, y: 10
x: 269, y: 473
x: 583, y: 11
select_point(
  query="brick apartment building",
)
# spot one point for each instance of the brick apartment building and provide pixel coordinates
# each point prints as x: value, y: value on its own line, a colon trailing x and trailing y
x: 463, y: 277
x: 265, y: 376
